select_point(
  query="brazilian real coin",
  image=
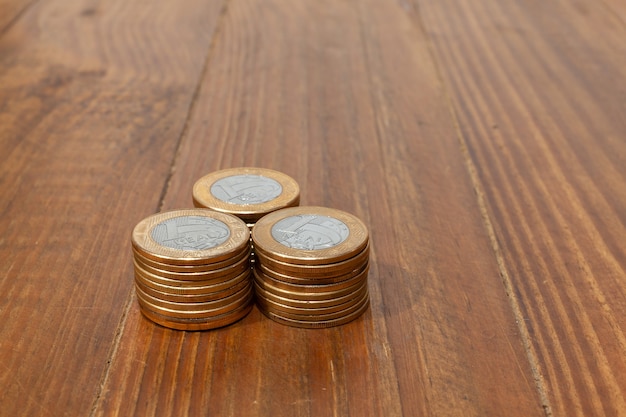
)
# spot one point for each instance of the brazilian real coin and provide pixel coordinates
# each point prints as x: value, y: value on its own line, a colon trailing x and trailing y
x: 190, y: 237
x: 310, y: 235
x: 248, y: 193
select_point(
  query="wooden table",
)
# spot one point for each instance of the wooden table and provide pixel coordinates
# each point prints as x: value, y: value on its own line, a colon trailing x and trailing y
x: 483, y: 143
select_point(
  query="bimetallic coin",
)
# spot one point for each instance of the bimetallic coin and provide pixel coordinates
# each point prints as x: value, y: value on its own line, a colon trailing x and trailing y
x: 315, y: 273
x: 192, y: 298
x: 310, y: 292
x: 248, y: 193
x: 192, y: 324
x: 190, y: 237
x: 189, y: 287
x: 310, y: 235
x: 206, y: 313
x: 193, y: 306
x: 313, y: 314
x: 288, y: 279
x: 192, y: 268
x: 217, y: 274
x: 316, y: 306
x: 315, y: 324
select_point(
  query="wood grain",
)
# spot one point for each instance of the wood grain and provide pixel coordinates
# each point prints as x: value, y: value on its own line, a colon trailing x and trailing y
x: 93, y: 102
x: 344, y: 97
x: 10, y: 11
x: 539, y: 93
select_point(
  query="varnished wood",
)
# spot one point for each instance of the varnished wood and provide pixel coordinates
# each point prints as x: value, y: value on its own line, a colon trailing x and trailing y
x: 546, y: 135
x: 92, y: 105
x: 481, y: 142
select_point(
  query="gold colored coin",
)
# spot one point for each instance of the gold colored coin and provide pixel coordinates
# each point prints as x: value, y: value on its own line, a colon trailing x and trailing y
x: 192, y: 298
x: 190, y: 287
x: 248, y: 193
x: 190, y: 237
x: 193, y: 306
x: 312, y: 273
x: 192, y: 268
x: 311, y: 314
x: 317, y: 284
x: 317, y: 306
x: 216, y: 274
x: 314, y: 324
x: 309, y: 293
x: 210, y: 312
x: 226, y: 276
x: 198, y: 324
x: 309, y: 235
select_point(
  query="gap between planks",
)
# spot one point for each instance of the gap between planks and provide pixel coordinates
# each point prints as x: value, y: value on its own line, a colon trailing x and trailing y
x: 131, y: 298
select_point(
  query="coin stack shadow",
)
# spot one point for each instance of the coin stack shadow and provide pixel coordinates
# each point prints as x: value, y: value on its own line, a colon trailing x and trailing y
x: 192, y: 269
x: 311, y: 267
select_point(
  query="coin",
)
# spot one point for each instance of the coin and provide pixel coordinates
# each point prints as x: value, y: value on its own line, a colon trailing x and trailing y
x: 249, y: 193
x: 192, y: 298
x: 334, y: 272
x: 192, y: 268
x: 190, y: 237
x: 192, y: 324
x: 175, y: 286
x: 315, y: 324
x: 195, y: 306
x: 336, y: 302
x: 242, y: 265
x: 309, y: 235
x: 309, y: 292
x: 206, y: 313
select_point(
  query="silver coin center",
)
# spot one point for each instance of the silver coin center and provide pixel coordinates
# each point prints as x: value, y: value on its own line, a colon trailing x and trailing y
x: 246, y: 189
x: 310, y: 232
x: 191, y: 233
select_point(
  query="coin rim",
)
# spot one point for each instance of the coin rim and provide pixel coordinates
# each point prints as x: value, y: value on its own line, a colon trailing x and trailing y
x: 306, y: 305
x: 197, y: 324
x: 313, y: 273
x: 193, y: 305
x: 248, y: 297
x: 191, y: 298
x: 193, y: 268
x: 241, y: 265
x: 192, y: 287
x: 321, y: 292
x: 316, y: 324
x: 308, y: 314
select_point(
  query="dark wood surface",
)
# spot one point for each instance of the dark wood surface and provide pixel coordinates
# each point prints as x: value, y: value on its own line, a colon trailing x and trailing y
x: 483, y: 143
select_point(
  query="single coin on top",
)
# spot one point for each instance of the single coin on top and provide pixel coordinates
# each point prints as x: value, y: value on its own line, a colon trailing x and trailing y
x: 248, y: 193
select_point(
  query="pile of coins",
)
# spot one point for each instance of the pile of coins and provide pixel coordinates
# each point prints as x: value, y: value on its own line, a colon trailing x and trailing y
x: 248, y: 193
x: 192, y: 269
x: 311, y: 266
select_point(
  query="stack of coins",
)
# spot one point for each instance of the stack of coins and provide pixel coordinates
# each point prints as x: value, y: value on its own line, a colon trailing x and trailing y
x: 311, y: 266
x: 248, y: 193
x: 192, y: 269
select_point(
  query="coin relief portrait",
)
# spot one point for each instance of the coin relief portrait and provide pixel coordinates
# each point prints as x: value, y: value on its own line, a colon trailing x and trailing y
x: 246, y: 189
x: 310, y: 232
x: 191, y: 233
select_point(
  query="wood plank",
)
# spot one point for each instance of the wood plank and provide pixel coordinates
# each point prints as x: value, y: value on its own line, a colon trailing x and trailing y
x: 94, y: 100
x: 539, y: 91
x: 344, y: 97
